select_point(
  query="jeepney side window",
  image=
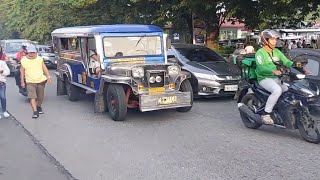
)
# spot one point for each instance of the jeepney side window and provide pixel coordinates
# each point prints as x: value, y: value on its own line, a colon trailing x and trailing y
x: 56, y: 45
x: 64, y: 44
x: 84, y: 50
x: 74, y: 44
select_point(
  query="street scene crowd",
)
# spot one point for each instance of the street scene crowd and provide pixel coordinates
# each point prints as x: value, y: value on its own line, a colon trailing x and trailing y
x: 184, y: 103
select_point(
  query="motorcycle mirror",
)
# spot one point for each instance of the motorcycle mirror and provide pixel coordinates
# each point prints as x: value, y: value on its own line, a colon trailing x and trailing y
x: 301, y: 76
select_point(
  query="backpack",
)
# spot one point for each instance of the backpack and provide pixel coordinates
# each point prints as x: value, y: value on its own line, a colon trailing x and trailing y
x: 248, y: 68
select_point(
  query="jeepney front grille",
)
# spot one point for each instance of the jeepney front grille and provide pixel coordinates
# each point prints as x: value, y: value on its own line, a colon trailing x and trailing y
x: 154, y: 75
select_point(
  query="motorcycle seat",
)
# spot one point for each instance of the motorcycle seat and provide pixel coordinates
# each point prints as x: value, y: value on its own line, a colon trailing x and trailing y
x: 256, y: 85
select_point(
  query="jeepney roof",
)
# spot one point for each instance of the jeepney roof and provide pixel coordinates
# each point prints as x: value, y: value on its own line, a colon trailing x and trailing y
x: 117, y: 28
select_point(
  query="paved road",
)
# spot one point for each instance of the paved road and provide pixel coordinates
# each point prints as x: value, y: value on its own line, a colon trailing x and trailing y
x: 21, y: 158
x: 210, y: 142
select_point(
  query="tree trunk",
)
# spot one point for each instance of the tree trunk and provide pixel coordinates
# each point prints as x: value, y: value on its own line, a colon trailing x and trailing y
x: 212, y: 36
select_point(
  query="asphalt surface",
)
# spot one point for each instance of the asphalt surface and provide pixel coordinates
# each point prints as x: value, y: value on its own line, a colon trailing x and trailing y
x: 21, y: 158
x: 209, y: 142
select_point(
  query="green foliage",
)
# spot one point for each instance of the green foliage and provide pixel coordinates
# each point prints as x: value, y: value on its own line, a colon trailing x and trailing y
x: 35, y: 19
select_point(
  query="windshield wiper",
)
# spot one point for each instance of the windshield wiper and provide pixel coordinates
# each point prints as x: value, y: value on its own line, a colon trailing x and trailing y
x: 140, y: 39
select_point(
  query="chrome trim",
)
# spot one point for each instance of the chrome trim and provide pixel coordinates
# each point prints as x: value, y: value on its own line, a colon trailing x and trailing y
x: 84, y: 87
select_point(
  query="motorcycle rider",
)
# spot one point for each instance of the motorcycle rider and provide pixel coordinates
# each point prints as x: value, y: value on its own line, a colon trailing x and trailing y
x: 20, y: 55
x: 22, y: 52
x: 267, y: 72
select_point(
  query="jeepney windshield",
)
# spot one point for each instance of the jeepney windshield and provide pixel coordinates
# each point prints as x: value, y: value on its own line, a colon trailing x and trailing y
x: 132, y: 46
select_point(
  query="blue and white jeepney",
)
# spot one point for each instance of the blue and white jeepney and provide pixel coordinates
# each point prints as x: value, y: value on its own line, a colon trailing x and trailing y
x: 135, y: 72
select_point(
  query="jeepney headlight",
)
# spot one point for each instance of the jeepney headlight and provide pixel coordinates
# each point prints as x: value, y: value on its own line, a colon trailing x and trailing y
x: 152, y: 80
x: 158, y: 79
x: 173, y: 70
x: 138, y: 72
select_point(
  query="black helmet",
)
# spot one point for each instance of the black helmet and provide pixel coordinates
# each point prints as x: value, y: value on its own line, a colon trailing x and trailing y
x: 268, y: 33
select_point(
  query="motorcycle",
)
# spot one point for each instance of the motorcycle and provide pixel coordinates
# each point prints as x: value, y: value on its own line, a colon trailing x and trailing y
x: 295, y: 109
x: 22, y: 91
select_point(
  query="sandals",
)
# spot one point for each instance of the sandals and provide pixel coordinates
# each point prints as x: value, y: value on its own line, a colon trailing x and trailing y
x: 266, y: 119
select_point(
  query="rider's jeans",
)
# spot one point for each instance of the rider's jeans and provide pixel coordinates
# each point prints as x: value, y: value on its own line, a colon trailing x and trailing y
x: 276, y: 88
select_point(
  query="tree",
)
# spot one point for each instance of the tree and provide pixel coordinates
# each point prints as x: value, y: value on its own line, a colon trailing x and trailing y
x: 35, y: 19
x: 275, y: 13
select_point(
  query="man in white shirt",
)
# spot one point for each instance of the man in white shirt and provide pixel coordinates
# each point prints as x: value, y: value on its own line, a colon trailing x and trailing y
x: 94, y: 64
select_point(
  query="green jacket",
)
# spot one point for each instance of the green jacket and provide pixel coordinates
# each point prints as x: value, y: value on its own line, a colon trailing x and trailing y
x: 265, y: 65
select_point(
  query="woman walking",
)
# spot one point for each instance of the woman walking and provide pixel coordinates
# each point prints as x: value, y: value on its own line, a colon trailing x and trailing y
x: 4, y: 72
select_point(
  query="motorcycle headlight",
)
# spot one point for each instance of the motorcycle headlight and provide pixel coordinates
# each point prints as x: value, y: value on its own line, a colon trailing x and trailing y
x: 173, y: 70
x: 138, y: 72
x: 301, y: 76
x: 307, y: 92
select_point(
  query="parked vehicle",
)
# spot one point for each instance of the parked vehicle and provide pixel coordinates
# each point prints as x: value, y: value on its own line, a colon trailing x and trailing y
x: 294, y: 109
x: 313, y: 58
x: 11, y: 47
x: 211, y: 74
x: 135, y: 72
x: 47, y: 53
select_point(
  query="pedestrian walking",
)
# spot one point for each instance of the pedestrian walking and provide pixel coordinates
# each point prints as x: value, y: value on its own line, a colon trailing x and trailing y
x: 34, y: 75
x: 4, y: 72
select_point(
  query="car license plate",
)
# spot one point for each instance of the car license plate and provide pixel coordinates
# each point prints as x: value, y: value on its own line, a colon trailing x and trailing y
x: 230, y: 87
x: 167, y: 100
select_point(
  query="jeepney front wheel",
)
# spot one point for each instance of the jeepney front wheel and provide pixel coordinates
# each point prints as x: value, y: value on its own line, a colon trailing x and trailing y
x: 73, y: 91
x: 186, y: 87
x: 61, y: 87
x: 116, y: 100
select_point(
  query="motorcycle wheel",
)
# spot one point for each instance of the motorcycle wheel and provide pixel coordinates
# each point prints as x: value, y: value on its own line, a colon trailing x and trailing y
x: 308, y: 129
x: 251, y: 101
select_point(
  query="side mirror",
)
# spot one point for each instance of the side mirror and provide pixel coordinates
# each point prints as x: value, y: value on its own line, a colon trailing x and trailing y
x: 167, y: 41
x: 172, y: 60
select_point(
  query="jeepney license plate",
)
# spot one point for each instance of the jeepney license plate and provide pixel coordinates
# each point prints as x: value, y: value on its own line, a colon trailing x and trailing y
x: 167, y: 100
x: 230, y: 87
x: 156, y: 90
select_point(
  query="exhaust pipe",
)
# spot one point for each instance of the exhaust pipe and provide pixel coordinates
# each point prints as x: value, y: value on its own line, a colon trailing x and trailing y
x: 249, y: 113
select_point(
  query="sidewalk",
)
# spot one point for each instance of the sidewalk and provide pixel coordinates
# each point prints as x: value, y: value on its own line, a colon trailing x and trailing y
x: 22, y: 159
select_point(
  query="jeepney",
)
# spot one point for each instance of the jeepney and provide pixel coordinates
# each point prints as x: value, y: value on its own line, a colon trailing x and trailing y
x: 135, y: 72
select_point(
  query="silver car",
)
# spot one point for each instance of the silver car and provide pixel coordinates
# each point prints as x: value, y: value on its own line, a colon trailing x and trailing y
x: 11, y: 47
x: 46, y: 52
x: 211, y: 74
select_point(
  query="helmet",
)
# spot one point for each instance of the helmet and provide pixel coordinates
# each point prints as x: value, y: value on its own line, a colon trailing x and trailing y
x: 268, y: 33
x: 31, y: 49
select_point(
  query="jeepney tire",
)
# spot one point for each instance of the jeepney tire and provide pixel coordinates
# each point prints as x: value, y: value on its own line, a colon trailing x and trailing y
x: 99, y: 103
x: 116, y: 101
x: 61, y: 87
x: 186, y: 87
x: 73, y: 91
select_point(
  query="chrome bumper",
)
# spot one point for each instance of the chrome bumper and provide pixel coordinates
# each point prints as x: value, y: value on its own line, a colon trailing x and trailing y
x: 151, y: 102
